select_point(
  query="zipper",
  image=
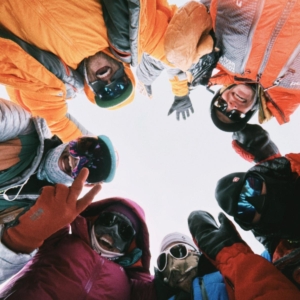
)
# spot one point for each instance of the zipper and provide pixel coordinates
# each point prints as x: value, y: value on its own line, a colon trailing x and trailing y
x: 251, y: 33
x: 284, y: 15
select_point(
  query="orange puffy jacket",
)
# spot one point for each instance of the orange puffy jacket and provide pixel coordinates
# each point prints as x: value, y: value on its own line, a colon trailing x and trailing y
x: 260, y: 41
x: 72, y: 30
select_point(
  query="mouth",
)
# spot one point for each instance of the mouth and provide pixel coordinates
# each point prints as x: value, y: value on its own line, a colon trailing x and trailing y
x: 104, y: 73
x: 106, y: 241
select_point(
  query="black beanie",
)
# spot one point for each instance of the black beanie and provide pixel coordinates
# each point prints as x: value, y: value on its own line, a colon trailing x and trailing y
x: 228, y: 190
x: 228, y: 127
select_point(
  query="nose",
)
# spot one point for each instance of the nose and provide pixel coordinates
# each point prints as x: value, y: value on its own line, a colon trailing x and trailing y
x: 232, y: 104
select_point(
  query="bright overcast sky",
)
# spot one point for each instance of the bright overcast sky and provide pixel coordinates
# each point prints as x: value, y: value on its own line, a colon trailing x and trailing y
x: 171, y: 168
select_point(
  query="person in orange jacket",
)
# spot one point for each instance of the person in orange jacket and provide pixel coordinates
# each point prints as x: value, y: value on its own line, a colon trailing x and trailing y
x: 265, y: 199
x: 259, y: 61
x: 92, y: 45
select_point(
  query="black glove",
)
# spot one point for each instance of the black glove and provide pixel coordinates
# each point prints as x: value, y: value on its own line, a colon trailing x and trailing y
x: 254, y: 144
x: 202, y: 70
x: 181, y: 105
x: 148, y: 89
x: 211, y: 238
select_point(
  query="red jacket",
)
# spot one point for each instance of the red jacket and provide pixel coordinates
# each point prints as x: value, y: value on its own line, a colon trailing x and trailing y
x: 66, y: 267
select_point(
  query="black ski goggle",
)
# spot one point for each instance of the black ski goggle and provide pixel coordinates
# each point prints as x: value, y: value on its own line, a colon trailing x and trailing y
x: 178, y: 251
x: 109, y: 219
x: 233, y: 115
x: 113, y: 90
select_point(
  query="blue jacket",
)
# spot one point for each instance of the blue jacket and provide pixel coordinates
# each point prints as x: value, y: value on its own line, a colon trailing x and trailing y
x: 208, y: 287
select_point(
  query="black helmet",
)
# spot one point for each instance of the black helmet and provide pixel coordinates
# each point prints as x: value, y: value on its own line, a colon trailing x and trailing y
x: 238, y: 125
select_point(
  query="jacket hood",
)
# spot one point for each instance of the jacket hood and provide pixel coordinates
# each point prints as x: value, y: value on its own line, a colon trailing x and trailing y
x: 122, y: 100
x: 142, y: 238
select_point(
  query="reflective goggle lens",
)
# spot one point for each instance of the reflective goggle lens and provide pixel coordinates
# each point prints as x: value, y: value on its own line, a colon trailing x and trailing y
x: 178, y: 251
x: 116, y: 88
x: 233, y: 115
x: 245, y: 211
x: 108, y: 219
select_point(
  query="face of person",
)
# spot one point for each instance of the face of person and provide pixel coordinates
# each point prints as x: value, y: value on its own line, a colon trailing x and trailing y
x: 240, y: 97
x: 66, y: 162
x: 180, y: 273
x: 101, y: 67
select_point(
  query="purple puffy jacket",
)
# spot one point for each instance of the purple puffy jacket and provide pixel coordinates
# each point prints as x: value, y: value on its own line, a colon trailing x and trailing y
x: 66, y: 267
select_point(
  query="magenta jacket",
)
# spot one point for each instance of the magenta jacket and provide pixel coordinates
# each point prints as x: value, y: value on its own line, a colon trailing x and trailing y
x: 66, y: 267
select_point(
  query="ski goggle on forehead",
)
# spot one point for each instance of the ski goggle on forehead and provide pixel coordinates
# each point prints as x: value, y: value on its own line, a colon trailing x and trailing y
x: 109, y: 219
x: 177, y: 251
x: 233, y: 115
x: 116, y: 88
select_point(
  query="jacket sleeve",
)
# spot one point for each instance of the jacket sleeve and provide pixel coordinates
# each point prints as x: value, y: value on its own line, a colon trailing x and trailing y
x: 150, y: 68
x: 294, y: 159
x: 14, y: 120
x: 241, y: 269
x: 53, y: 108
x: 10, y: 262
x: 143, y: 289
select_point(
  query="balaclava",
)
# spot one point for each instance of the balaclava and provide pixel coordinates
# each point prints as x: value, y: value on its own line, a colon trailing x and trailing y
x: 179, y: 265
x: 125, y: 259
x: 49, y: 169
x: 279, y: 207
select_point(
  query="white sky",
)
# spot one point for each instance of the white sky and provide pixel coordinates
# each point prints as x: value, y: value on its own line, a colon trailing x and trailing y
x: 171, y: 168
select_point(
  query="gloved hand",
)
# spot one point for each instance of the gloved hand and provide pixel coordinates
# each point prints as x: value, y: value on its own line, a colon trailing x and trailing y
x: 211, y: 238
x: 56, y: 207
x: 181, y: 105
x: 253, y: 143
x: 203, y: 69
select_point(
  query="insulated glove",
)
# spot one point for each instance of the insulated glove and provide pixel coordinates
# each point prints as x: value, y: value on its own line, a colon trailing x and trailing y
x: 211, y: 238
x: 203, y: 69
x: 56, y: 207
x: 254, y: 144
x: 181, y: 105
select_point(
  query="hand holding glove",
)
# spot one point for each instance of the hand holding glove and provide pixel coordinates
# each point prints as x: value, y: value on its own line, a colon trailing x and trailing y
x: 211, y: 238
x: 253, y: 143
x: 56, y: 207
x: 182, y: 106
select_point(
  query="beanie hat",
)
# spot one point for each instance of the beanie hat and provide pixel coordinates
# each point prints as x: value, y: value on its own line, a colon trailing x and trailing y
x: 125, y: 211
x: 100, y: 159
x: 228, y: 190
x: 228, y: 127
x: 49, y: 169
x: 176, y: 237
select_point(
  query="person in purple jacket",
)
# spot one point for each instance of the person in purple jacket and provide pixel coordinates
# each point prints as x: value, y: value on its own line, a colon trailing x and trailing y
x: 103, y: 253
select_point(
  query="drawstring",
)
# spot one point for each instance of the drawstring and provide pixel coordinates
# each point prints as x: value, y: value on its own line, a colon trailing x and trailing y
x: 6, y: 197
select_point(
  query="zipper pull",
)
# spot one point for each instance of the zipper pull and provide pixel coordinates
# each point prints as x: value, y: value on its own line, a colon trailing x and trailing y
x: 258, y: 77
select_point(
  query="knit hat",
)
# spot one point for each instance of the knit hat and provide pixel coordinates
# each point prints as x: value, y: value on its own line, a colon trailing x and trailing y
x: 99, y: 158
x: 176, y: 237
x: 49, y: 169
x: 228, y: 127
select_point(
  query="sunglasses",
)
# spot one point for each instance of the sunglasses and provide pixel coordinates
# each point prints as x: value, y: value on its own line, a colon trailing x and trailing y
x: 113, y: 90
x: 109, y: 219
x: 177, y: 251
x: 233, y: 115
